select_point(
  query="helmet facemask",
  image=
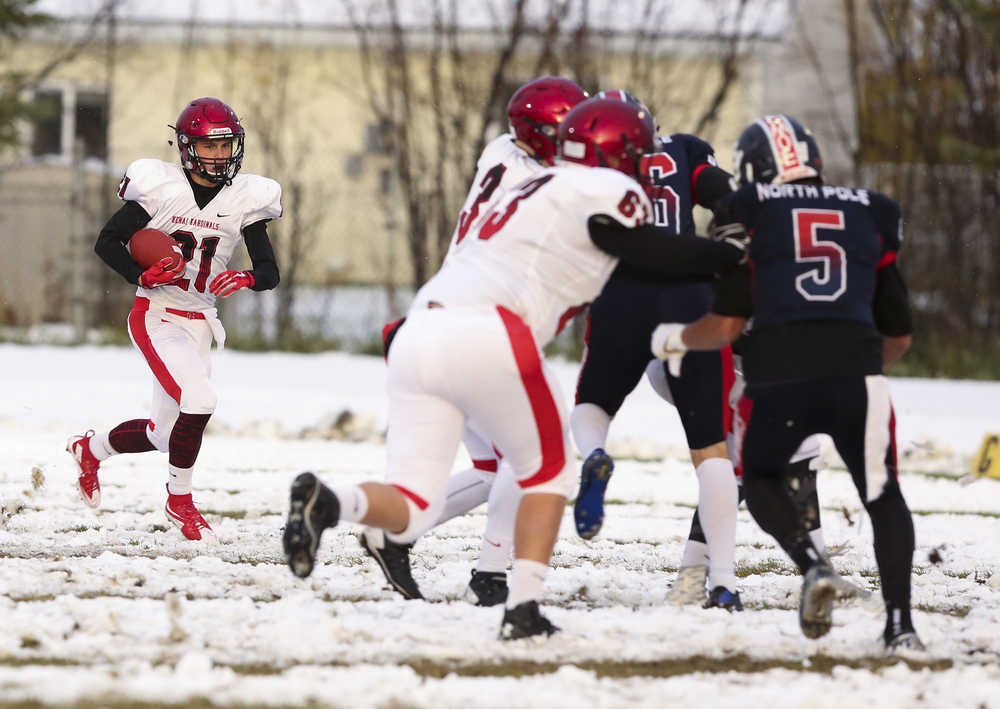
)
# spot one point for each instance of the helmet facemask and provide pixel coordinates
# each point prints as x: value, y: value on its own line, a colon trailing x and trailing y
x: 216, y: 170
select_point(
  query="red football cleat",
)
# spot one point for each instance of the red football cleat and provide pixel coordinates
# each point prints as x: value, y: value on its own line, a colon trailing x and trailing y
x: 181, y: 511
x: 87, y: 483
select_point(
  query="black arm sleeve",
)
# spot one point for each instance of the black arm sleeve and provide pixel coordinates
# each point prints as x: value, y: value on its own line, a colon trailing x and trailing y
x: 733, y: 295
x: 662, y: 257
x: 111, y: 241
x: 265, y: 266
x: 711, y: 186
x: 891, y: 305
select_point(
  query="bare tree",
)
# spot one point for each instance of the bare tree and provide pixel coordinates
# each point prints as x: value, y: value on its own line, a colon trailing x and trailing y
x: 930, y: 136
x: 284, y: 154
x: 427, y: 82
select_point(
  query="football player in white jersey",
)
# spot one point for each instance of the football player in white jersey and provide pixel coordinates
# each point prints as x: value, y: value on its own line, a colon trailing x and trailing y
x: 210, y: 208
x: 534, y: 112
x: 470, y: 349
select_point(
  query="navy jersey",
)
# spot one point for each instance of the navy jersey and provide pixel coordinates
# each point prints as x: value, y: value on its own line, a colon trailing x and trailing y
x: 674, y: 171
x: 815, y: 253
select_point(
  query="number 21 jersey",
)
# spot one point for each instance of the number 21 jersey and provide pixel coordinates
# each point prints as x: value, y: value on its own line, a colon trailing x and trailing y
x: 207, y: 236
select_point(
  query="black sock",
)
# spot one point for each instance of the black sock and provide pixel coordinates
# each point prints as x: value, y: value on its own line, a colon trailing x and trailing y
x: 894, y: 542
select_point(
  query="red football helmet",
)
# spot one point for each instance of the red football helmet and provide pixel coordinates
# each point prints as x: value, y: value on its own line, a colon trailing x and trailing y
x: 536, y: 109
x: 604, y: 132
x: 209, y: 118
x: 627, y: 97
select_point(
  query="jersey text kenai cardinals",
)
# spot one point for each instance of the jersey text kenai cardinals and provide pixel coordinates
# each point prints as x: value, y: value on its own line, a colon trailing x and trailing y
x: 208, y: 236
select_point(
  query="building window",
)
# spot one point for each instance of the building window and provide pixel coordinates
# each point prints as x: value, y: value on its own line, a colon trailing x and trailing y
x: 46, y: 135
x: 62, y: 116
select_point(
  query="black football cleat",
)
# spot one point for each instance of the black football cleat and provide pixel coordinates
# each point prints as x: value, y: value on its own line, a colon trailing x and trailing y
x: 393, y: 559
x: 312, y: 508
x: 820, y: 587
x: 722, y: 597
x: 588, y: 510
x: 487, y: 588
x: 525, y: 621
x: 905, y: 644
x: 816, y: 601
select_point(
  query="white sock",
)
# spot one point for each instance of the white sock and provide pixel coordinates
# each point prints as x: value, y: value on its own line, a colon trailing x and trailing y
x: 589, y: 424
x: 180, y: 480
x: 100, y: 446
x: 816, y: 536
x: 466, y: 490
x: 718, y: 499
x: 353, y: 502
x: 501, y: 516
x: 526, y: 582
x: 695, y: 554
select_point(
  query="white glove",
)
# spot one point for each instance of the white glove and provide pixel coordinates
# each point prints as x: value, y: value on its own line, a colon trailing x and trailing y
x: 667, y: 344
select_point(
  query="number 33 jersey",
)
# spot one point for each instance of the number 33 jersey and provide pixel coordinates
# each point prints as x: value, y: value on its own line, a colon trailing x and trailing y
x: 207, y: 236
x: 532, y: 252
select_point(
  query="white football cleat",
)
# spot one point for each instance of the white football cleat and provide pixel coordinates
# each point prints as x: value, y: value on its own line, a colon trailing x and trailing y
x: 689, y: 586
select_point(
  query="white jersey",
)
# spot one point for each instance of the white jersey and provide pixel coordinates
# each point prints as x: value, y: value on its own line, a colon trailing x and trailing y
x: 208, y: 236
x: 501, y: 166
x: 532, y: 253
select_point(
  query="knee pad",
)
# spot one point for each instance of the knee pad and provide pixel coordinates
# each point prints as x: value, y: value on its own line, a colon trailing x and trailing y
x: 420, y: 521
x: 199, y: 399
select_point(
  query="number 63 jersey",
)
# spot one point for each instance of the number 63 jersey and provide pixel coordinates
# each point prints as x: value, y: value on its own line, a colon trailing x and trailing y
x: 532, y: 252
x: 207, y: 236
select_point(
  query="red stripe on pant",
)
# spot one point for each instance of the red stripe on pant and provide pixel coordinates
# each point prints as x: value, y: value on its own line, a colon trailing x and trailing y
x: 414, y: 497
x: 543, y: 406
x: 744, y: 410
x: 728, y: 380
x: 137, y: 325
x: 488, y: 465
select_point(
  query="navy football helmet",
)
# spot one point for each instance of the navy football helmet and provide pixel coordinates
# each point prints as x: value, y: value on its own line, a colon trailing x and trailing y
x: 776, y: 149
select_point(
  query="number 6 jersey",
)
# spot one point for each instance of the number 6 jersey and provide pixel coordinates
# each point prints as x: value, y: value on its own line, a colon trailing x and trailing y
x: 207, y: 236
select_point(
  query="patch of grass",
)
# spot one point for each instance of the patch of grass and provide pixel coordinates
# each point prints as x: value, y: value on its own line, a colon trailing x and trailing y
x: 768, y: 566
x: 231, y: 514
x: 957, y: 513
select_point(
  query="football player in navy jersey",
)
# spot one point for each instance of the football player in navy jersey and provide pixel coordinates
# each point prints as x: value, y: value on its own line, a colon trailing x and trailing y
x: 829, y: 309
x: 620, y: 322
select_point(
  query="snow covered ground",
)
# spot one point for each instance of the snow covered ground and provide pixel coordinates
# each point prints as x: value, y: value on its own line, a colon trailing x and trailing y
x: 116, y: 608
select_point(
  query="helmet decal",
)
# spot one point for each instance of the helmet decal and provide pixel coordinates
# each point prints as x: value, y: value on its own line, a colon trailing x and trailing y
x: 776, y: 149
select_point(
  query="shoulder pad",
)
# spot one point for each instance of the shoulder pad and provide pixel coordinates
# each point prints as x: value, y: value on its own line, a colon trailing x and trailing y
x: 262, y: 198
x: 150, y: 182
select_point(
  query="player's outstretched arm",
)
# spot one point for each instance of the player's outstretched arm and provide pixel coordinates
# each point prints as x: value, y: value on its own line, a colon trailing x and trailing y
x: 114, y: 236
x: 644, y: 248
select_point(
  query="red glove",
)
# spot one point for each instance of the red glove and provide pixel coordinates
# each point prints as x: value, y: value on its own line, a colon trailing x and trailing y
x: 228, y: 282
x: 159, y: 274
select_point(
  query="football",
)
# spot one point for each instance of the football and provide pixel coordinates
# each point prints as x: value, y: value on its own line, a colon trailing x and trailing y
x: 147, y: 246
